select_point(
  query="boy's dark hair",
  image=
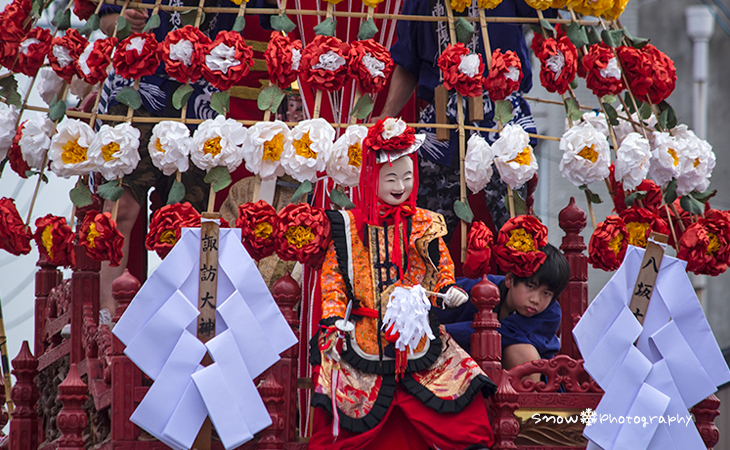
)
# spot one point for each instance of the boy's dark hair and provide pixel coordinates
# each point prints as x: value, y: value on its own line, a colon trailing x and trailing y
x: 553, y: 273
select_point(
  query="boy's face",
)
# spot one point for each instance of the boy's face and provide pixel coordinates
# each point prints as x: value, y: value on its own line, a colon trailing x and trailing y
x: 528, y: 299
x: 396, y: 181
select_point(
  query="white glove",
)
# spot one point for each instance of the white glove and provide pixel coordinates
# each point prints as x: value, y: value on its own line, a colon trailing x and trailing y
x: 455, y: 297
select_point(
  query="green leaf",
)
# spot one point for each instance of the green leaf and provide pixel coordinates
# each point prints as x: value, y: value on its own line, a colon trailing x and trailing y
x: 80, y: 195
x: 663, y: 119
x: 177, y: 193
x: 609, y: 98
x: 463, y: 211
x: 535, y: 27
x: 110, y: 191
x: 671, y: 115
x: 631, y: 198
x: 368, y: 29
x: 219, y: 102
x: 573, y: 110
x: 218, y: 177
x: 130, y: 97
x: 670, y: 193
x: 57, y: 110
x: 152, y: 23
x: 464, y: 30
x: 635, y: 42
x: 62, y: 19
x: 574, y: 83
x: 303, y: 189
x: 611, y: 114
x: 692, y: 205
x: 592, y: 196
x: 629, y: 104
x: 547, y: 26
x: 612, y: 38
x: 91, y: 25
x: 270, y: 98
x: 519, y: 202
x: 36, y: 8
x: 593, y: 37
x: 326, y: 27
x: 703, y: 197
x: 181, y: 95
x: 282, y: 23
x: 503, y: 111
x: 9, y: 90
x: 239, y: 24
x: 577, y: 34
x: 645, y: 111
x: 32, y: 173
x: 123, y: 28
x: 188, y: 17
x: 363, y: 107
x: 340, y: 199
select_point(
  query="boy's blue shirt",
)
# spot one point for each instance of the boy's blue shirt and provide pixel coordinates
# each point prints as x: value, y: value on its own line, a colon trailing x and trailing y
x: 539, y: 330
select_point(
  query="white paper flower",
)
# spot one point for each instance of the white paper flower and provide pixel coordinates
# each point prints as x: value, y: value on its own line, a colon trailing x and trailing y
x: 514, y: 157
x: 478, y: 163
x: 344, y: 163
x: 374, y: 66
x: 469, y: 65
x: 586, y: 155
x: 169, y: 147
x: 329, y: 61
x: 393, y: 127
x: 36, y: 141
x: 625, y: 127
x: 267, y: 141
x: 218, y: 142
x: 69, y: 148
x: 182, y: 51
x: 8, y: 118
x: 665, y: 152
x: 221, y: 58
x: 304, y: 153
x: 115, y: 150
x: 633, y: 159
x: 696, y: 162
x: 596, y: 119
x: 49, y: 84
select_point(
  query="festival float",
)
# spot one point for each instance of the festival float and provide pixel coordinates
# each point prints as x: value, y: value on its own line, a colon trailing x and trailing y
x: 230, y: 370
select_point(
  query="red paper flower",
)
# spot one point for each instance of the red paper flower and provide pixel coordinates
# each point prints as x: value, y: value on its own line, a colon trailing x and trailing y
x: 651, y: 201
x: 180, y: 63
x: 100, y: 237
x: 258, y: 222
x: 228, y: 49
x: 282, y: 60
x: 84, y: 9
x: 505, y: 75
x: 14, y: 235
x: 478, y: 250
x: 602, y: 71
x: 324, y: 63
x: 15, y: 156
x: 608, y: 243
x: 65, y: 52
x: 558, y: 64
x: 55, y: 240
x: 663, y: 74
x: 32, y: 54
x: 705, y: 245
x: 375, y: 141
x: 518, y: 246
x: 302, y: 234
x: 92, y: 66
x: 12, y: 30
x: 538, y: 39
x: 166, y: 225
x: 370, y: 64
x: 137, y: 56
x: 640, y: 222
x: 462, y: 71
x: 637, y: 69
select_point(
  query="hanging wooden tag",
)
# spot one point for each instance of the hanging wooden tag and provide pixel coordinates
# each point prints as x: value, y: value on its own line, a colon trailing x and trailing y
x: 476, y: 108
x: 647, y: 275
x: 441, y: 98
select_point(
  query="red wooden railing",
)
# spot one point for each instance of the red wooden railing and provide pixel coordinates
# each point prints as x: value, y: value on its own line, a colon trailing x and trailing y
x: 78, y: 392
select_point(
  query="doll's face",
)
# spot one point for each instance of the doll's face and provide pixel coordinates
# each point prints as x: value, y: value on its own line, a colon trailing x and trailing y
x: 396, y: 181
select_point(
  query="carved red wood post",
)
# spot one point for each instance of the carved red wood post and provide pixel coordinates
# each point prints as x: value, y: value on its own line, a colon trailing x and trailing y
x: 705, y: 413
x: 273, y: 395
x: 486, y: 343
x: 72, y: 420
x: 504, y: 423
x: 124, y: 289
x: 85, y: 288
x: 574, y: 300
x: 46, y: 278
x: 24, y: 425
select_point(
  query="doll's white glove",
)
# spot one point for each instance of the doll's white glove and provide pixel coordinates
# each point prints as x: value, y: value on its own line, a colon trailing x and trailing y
x: 455, y: 297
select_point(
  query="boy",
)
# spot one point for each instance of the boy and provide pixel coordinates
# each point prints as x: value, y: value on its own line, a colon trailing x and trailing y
x: 528, y: 312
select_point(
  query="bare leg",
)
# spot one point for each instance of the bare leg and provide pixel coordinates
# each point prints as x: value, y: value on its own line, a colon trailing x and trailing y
x: 126, y: 217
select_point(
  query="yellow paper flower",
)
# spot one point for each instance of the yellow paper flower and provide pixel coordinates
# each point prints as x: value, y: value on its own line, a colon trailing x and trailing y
x: 540, y: 4
x: 616, y: 10
x: 489, y: 4
x: 460, y: 5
